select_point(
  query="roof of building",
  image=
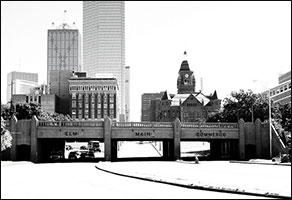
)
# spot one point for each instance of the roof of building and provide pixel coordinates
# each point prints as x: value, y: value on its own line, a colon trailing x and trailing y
x: 166, y: 96
x: 184, y: 66
x: 180, y: 98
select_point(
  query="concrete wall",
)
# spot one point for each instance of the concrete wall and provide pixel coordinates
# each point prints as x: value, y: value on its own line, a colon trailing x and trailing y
x: 247, y: 139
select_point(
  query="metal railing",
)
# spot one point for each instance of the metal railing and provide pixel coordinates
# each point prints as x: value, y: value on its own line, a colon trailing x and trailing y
x: 71, y: 124
x: 137, y: 124
x: 209, y: 125
x: 142, y: 124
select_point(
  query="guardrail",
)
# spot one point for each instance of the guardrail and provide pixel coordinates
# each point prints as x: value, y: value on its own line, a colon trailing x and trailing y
x: 209, y: 125
x: 137, y: 124
x: 70, y: 124
x: 142, y: 124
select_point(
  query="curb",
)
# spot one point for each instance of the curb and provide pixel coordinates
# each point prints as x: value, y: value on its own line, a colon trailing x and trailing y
x: 261, y: 163
x: 191, y: 186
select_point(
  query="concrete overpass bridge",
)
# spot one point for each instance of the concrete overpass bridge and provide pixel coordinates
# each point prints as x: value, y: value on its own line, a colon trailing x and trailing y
x: 227, y: 140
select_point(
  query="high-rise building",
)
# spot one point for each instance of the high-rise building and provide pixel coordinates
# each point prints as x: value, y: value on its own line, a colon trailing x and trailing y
x: 64, y: 49
x: 104, y: 44
x: 20, y: 83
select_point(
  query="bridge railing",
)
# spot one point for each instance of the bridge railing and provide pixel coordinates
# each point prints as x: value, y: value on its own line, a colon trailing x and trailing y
x: 143, y: 124
x: 71, y: 123
x: 208, y: 125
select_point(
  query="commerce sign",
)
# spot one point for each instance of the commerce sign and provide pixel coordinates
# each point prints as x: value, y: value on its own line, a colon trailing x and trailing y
x: 214, y: 134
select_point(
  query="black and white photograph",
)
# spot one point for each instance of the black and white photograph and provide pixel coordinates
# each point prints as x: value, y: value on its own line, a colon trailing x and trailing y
x: 145, y: 100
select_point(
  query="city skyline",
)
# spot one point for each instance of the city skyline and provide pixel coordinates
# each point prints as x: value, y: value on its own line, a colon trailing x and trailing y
x: 229, y: 44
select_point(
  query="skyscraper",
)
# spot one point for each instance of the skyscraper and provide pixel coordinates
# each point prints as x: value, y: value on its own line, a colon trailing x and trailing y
x: 64, y: 49
x: 104, y: 44
x: 20, y: 83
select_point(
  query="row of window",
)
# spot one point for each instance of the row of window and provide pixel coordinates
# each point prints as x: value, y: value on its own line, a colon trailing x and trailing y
x: 35, y: 99
x: 92, y: 87
x: 283, y: 88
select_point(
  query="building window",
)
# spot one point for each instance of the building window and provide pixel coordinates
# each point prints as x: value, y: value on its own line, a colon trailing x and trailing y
x: 111, y: 100
x: 30, y: 98
x: 105, y: 105
x: 112, y: 106
x: 281, y: 89
x: 285, y: 87
x: 112, y: 112
x: 80, y: 96
x: 73, y: 104
x: 73, y: 95
x: 40, y: 100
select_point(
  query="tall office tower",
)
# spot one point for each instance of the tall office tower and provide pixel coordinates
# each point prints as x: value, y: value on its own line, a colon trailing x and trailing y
x: 20, y: 83
x: 104, y: 44
x: 127, y: 93
x: 64, y: 49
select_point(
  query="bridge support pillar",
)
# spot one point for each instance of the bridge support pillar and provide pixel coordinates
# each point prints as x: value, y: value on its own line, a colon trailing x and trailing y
x: 34, y: 156
x: 107, y: 139
x: 258, y: 134
x: 176, y: 139
x: 13, y: 151
x: 241, y: 144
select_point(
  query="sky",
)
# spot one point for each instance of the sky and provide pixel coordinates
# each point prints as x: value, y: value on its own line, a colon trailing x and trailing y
x: 228, y: 44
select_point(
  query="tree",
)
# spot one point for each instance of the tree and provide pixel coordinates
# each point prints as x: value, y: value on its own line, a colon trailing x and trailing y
x: 6, y: 138
x: 28, y: 110
x: 245, y: 105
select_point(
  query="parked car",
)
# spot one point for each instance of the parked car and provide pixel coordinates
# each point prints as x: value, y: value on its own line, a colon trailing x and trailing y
x: 87, y: 154
x: 56, y: 155
x: 73, y: 155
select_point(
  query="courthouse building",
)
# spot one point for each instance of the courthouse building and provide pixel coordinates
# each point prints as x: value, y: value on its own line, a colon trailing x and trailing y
x: 187, y: 105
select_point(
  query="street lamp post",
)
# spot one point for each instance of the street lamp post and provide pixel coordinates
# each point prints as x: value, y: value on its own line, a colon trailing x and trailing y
x: 270, y: 123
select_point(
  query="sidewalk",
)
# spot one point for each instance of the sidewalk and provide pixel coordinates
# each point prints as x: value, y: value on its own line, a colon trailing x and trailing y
x: 261, y: 180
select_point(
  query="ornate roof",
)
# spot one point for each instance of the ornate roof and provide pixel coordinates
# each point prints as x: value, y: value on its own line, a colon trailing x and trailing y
x: 184, y: 66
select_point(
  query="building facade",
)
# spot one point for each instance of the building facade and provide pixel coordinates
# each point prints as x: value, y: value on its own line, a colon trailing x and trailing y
x: 146, y: 105
x: 48, y: 102
x: 104, y: 44
x: 93, y: 98
x: 187, y: 105
x: 63, y: 50
x: 282, y: 92
x: 60, y: 87
x: 20, y: 83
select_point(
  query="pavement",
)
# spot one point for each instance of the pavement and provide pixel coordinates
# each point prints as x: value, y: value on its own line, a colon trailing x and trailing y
x: 263, y: 178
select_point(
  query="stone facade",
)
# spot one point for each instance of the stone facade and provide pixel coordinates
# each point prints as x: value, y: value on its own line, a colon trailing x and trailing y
x: 93, y: 98
x: 187, y: 105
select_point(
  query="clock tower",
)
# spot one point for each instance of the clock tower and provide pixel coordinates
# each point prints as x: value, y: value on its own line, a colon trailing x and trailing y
x: 186, y: 81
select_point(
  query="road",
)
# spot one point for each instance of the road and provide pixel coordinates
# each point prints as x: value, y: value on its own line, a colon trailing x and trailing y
x: 26, y: 180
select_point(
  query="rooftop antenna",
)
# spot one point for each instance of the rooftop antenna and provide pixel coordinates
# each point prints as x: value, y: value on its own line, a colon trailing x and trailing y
x: 64, y: 19
x: 185, y: 55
